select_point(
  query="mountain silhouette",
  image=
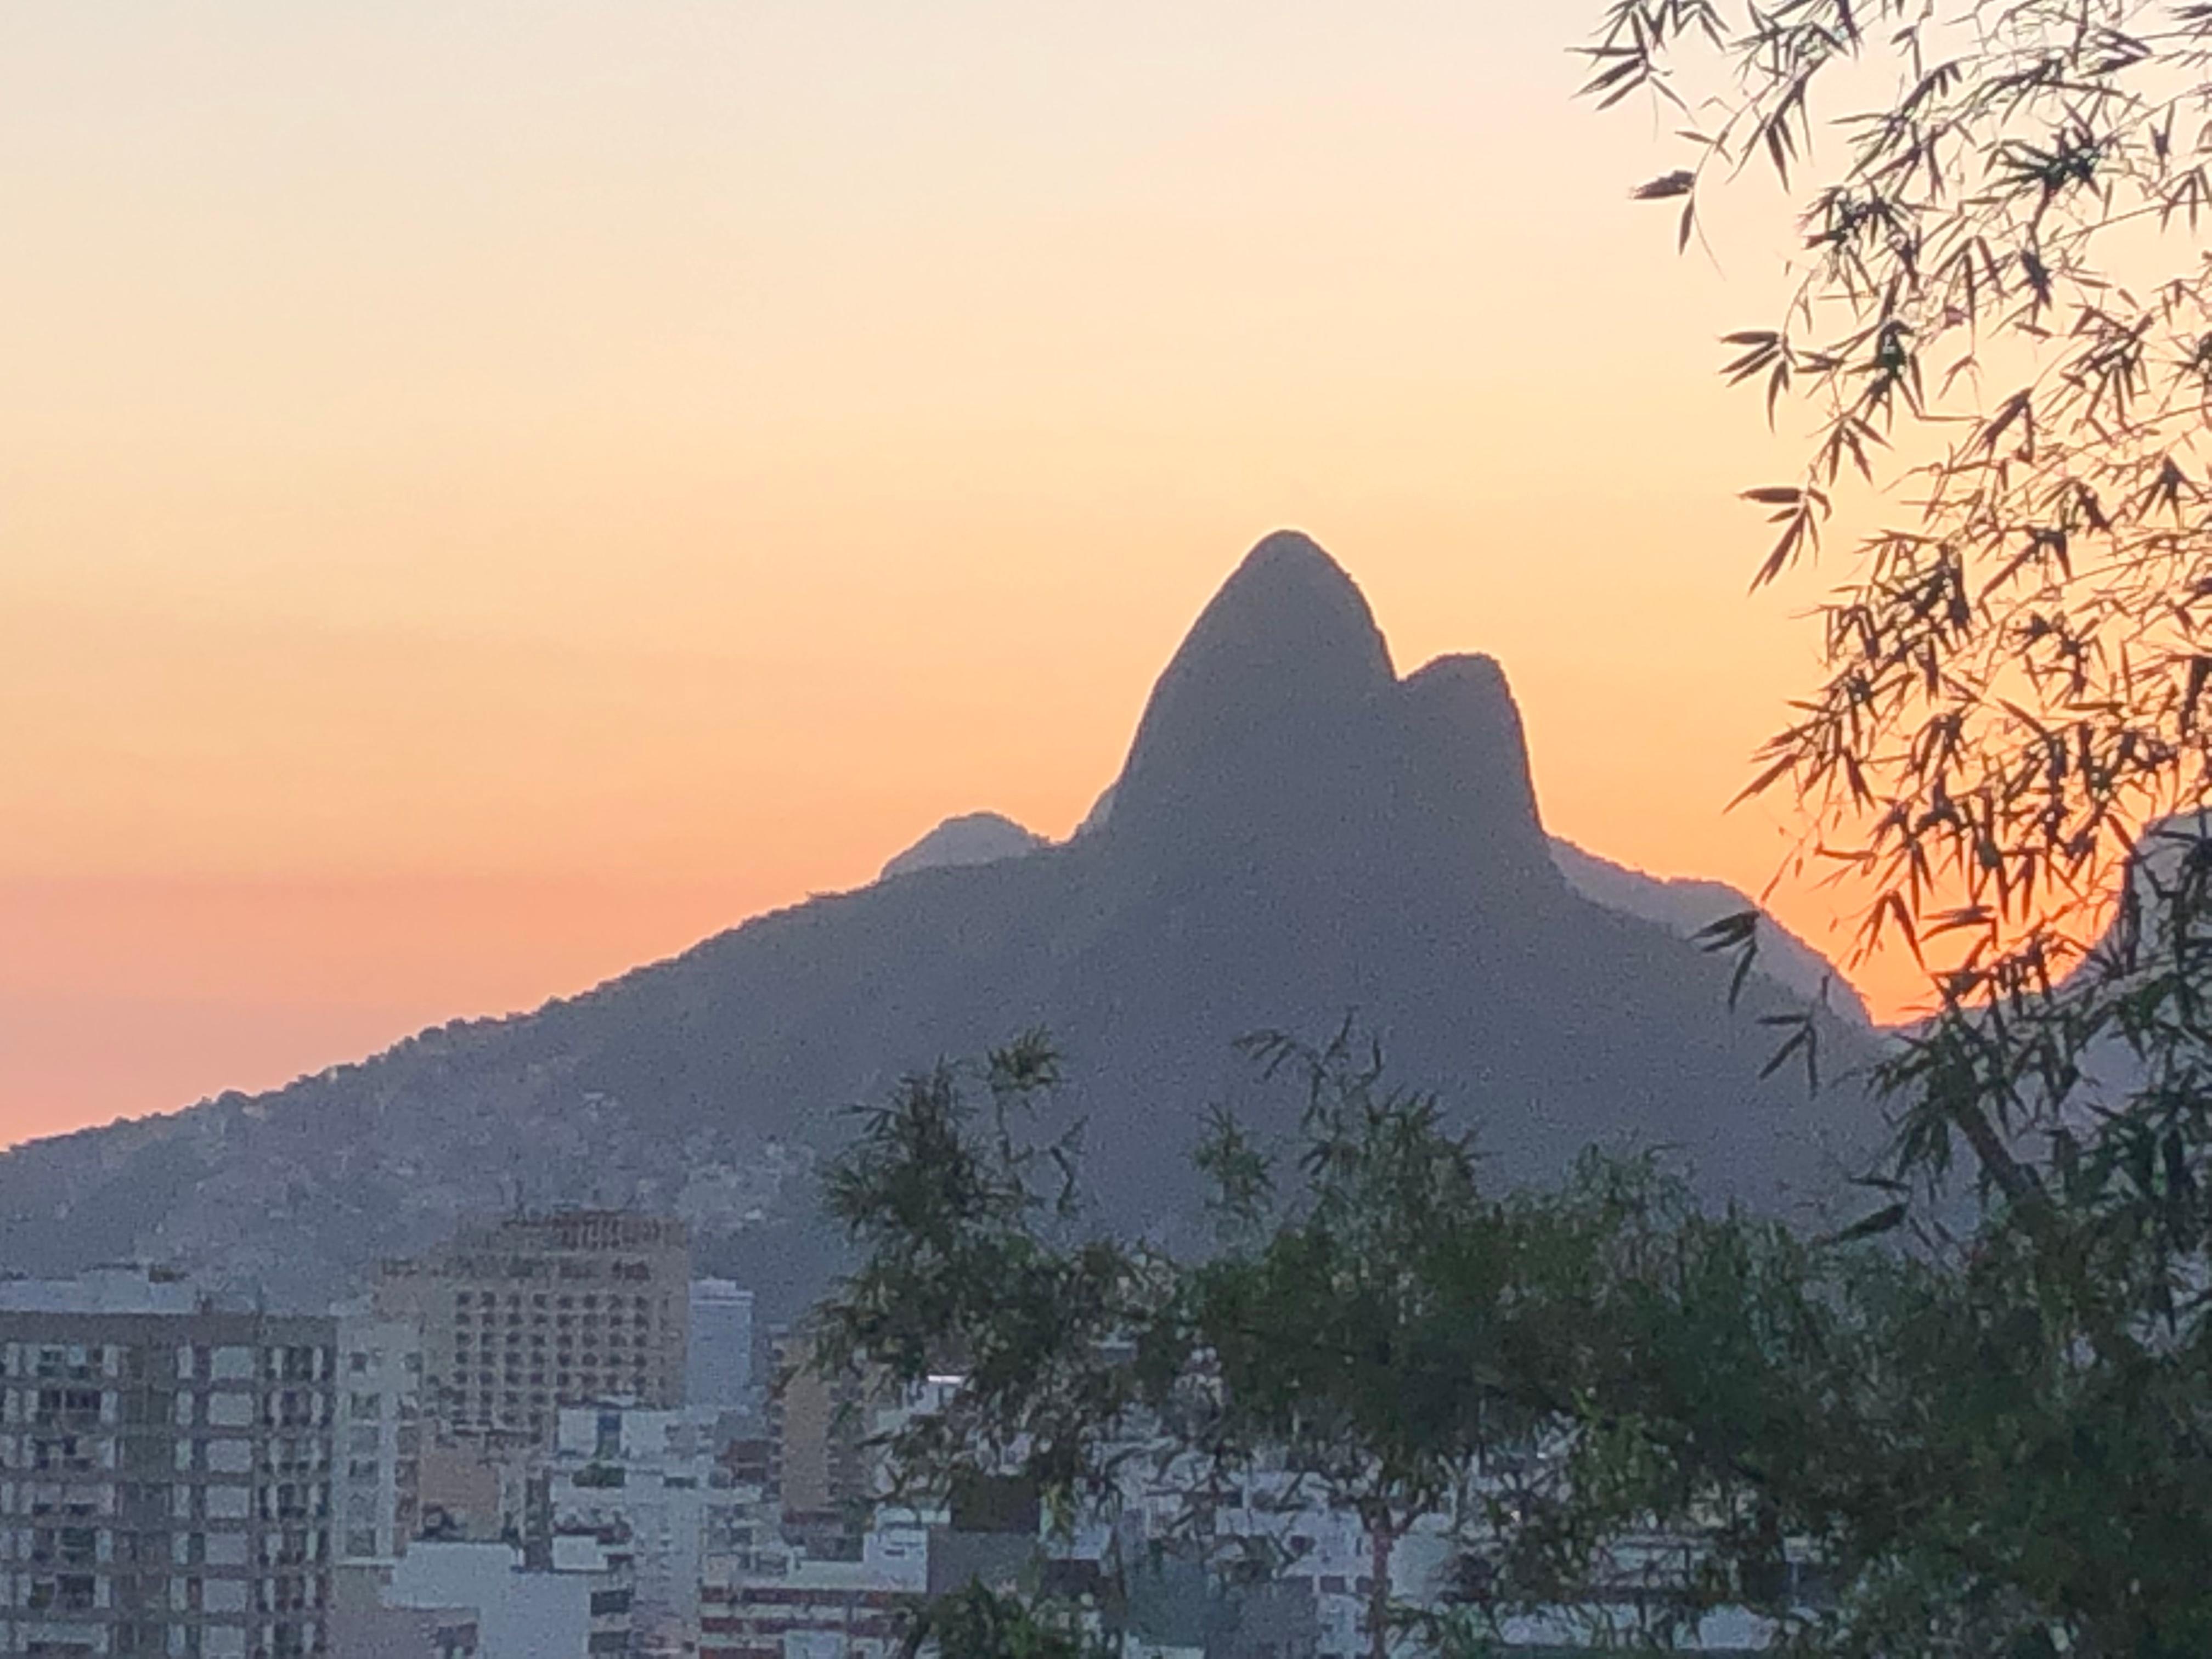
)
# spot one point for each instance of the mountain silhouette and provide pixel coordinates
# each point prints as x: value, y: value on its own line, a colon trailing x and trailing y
x: 971, y: 838
x: 1298, y: 834
x: 1686, y: 906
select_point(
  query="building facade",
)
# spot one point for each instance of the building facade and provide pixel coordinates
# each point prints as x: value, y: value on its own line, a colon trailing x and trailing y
x: 647, y: 1482
x: 820, y: 1473
x: 378, y: 1439
x: 720, y: 1374
x: 526, y: 1314
x: 576, y: 1607
x: 818, y: 1610
x: 170, y: 1471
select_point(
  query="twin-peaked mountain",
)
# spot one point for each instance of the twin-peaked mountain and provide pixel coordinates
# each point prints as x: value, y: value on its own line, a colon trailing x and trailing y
x: 1298, y: 834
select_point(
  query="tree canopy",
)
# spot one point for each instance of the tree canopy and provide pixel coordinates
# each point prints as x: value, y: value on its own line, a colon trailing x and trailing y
x: 1997, y: 344
x: 1945, y: 1429
x: 1626, y: 1412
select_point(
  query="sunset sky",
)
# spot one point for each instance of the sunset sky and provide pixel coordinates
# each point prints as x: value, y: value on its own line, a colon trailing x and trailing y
x: 491, y: 493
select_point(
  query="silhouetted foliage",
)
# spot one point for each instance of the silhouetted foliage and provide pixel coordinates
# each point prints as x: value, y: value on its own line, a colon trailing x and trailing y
x: 976, y: 1622
x: 2000, y: 333
x: 1629, y: 1412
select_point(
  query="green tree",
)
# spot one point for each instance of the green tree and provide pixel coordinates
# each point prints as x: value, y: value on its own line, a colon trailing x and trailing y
x: 975, y: 1622
x: 1997, y: 344
x: 1630, y: 1411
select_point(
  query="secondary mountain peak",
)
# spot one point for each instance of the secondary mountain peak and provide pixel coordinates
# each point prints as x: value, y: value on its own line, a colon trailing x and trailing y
x: 970, y: 838
x: 1467, y: 767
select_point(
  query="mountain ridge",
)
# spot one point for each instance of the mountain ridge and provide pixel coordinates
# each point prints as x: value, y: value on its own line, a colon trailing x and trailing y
x: 1299, y: 834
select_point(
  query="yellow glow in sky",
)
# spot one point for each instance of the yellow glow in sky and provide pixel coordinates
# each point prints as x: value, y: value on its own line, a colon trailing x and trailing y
x: 489, y: 495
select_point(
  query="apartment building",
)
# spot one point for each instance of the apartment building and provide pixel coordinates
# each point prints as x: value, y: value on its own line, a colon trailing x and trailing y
x: 820, y: 1472
x: 720, y: 1369
x: 170, y: 1477
x: 379, y: 1437
x: 524, y: 1314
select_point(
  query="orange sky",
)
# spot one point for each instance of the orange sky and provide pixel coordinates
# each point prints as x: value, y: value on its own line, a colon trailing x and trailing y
x: 489, y: 495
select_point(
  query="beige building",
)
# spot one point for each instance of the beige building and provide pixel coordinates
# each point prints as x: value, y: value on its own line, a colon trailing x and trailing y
x: 526, y: 1314
x: 818, y: 1464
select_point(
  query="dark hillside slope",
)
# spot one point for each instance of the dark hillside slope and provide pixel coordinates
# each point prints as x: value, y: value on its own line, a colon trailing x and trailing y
x: 1297, y: 833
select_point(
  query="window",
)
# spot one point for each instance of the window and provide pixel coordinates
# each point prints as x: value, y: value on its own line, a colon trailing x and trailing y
x: 224, y: 1595
x: 292, y: 1408
x: 228, y: 1502
x: 369, y: 1405
x: 67, y: 1408
x: 231, y: 1365
x: 70, y: 1452
x: 360, y: 1540
x: 230, y: 1411
x: 66, y: 1546
x: 230, y: 1456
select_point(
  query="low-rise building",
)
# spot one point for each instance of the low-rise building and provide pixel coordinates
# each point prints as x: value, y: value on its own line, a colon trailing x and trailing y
x: 577, y: 1607
x: 816, y: 1610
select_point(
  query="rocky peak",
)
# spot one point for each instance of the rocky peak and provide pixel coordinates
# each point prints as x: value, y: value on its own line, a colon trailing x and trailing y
x: 1280, y: 738
x: 1467, y: 774
x: 970, y: 838
x: 1279, y: 673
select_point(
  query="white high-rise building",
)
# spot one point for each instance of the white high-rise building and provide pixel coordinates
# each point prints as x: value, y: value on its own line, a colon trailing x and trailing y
x: 648, y: 1479
x: 719, y: 1372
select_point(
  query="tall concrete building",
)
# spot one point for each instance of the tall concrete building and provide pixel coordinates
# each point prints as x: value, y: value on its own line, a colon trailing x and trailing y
x: 172, y: 1479
x: 379, y: 1440
x: 525, y: 1314
x: 720, y: 1372
x: 819, y: 1470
